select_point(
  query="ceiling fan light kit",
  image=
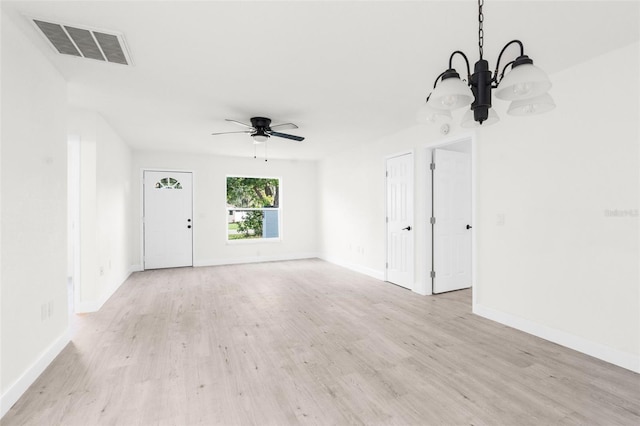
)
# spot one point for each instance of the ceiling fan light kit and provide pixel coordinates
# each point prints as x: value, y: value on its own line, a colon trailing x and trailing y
x: 261, y: 130
x: 526, y: 86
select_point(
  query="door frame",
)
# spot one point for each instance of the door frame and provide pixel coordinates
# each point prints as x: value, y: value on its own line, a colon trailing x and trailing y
x: 141, y: 217
x: 74, y: 145
x: 386, y: 210
x: 472, y: 139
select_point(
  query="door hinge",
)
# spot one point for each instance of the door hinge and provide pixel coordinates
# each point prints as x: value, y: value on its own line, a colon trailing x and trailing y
x: 386, y: 174
x: 432, y: 166
x: 432, y: 220
x: 386, y: 265
x: 433, y: 274
x: 386, y: 219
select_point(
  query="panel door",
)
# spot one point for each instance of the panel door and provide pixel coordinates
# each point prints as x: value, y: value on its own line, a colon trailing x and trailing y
x: 168, y: 222
x: 400, y: 220
x: 452, y: 228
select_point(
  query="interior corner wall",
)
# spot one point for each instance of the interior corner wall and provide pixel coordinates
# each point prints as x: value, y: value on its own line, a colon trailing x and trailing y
x: 564, y: 265
x: 105, y: 209
x: 352, y: 203
x: 210, y: 246
x: 351, y: 187
x: 33, y: 311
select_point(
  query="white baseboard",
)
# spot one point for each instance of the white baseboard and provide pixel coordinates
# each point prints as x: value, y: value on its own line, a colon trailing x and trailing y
x: 88, y: 306
x: 596, y: 350
x: 16, y: 389
x: 373, y: 273
x: 418, y: 288
x: 421, y: 289
x: 253, y: 259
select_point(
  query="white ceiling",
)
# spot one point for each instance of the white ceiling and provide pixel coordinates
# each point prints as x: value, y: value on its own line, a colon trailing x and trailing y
x: 344, y: 72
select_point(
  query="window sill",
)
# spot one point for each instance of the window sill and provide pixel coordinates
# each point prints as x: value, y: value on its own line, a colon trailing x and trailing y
x: 254, y: 241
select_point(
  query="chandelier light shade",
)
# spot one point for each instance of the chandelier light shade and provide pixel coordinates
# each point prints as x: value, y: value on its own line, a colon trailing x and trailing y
x: 469, y: 122
x: 452, y: 93
x: 532, y: 106
x: 522, y: 82
x: 428, y: 114
x: 525, y: 85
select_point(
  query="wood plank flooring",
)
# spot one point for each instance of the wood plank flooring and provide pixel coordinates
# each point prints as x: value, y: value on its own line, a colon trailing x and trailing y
x: 306, y: 342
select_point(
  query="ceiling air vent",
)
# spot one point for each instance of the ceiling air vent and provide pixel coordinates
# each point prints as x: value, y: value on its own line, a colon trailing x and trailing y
x: 85, y: 42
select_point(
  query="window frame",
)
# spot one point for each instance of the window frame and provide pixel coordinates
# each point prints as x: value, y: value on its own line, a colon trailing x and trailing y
x: 278, y: 209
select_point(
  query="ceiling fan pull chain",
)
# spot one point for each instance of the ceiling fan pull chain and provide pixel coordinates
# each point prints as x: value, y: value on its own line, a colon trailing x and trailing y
x: 480, y: 28
x: 254, y: 151
x: 265, y: 152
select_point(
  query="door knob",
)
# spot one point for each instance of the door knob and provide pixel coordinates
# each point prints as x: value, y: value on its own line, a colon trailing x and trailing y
x: 469, y: 226
x: 408, y: 228
x: 189, y: 226
x: 188, y: 220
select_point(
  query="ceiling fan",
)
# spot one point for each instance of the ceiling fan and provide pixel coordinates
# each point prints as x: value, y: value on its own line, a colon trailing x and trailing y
x: 261, y: 130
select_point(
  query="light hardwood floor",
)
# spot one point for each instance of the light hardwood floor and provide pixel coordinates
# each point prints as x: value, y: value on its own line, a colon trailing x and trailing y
x: 307, y: 342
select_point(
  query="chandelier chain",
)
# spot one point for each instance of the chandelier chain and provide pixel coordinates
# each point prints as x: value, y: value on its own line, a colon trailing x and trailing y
x: 480, y: 28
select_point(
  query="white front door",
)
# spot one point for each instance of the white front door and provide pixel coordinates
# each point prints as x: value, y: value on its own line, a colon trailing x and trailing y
x: 168, y: 222
x: 400, y: 220
x: 452, y: 213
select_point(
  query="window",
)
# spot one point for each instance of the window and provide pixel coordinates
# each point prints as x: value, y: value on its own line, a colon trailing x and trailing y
x: 253, y: 208
x: 168, y: 183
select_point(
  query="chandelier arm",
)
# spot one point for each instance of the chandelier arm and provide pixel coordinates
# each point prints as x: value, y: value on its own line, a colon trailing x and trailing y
x: 495, y: 74
x: 498, y: 80
x: 435, y: 83
x: 465, y: 59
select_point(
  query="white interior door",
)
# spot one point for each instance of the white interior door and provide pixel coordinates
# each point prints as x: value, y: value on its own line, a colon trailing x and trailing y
x: 400, y: 220
x: 452, y: 227
x: 168, y: 222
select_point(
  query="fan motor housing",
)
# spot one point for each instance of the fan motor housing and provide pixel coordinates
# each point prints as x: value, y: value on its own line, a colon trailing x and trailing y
x: 260, y: 122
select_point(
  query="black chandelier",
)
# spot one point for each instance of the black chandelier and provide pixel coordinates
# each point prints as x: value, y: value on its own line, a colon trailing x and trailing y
x: 526, y: 86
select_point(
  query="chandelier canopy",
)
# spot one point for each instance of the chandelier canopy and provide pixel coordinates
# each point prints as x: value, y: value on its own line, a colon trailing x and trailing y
x: 525, y: 85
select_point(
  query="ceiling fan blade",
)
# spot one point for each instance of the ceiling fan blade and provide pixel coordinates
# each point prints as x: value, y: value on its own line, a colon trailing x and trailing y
x: 240, y: 123
x: 286, y: 136
x: 285, y: 126
x: 239, y: 131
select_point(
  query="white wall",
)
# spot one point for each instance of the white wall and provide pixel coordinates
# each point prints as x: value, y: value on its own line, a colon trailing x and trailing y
x: 352, y: 210
x: 560, y: 267
x: 33, y: 306
x: 353, y: 235
x: 298, y: 201
x: 106, y: 254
